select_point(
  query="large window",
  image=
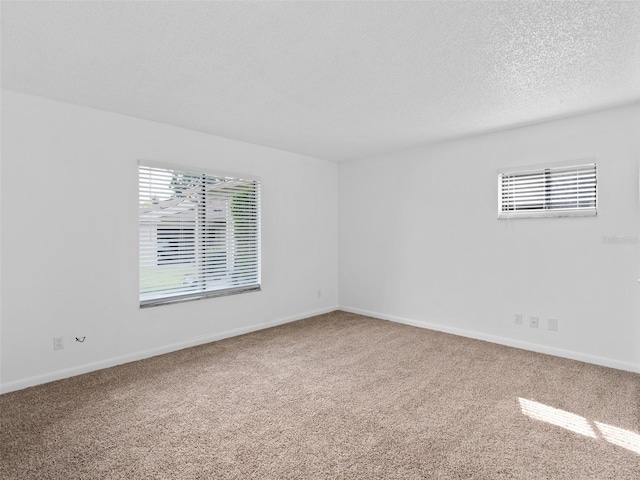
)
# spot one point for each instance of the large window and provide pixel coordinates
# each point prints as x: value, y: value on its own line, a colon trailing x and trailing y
x: 199, y: 234
x: 553, y: 191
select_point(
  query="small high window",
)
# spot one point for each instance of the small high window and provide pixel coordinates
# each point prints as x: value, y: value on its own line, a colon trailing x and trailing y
x: 553, y: 191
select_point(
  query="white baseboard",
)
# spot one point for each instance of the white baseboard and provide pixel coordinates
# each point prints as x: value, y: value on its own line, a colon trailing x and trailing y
x: 534, y: 347
x: 132, y: 357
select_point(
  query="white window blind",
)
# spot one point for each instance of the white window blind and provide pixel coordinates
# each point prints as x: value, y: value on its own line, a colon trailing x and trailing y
x: 548, y: 192
x: 199, y: 235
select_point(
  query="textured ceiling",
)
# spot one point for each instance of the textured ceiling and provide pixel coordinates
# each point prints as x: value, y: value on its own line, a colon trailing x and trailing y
x: 335, y: 80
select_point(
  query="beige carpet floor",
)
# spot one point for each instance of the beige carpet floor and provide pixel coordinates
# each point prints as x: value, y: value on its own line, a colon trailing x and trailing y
x: 334, y: 396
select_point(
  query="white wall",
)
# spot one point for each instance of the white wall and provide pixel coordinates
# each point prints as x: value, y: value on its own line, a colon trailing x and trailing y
x: 70, y: 239
x: 412, y: 248
x: 420, y: 241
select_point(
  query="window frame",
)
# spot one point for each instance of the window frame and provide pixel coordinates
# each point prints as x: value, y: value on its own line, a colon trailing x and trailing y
x: 545, y: 211
x: 201, y: 233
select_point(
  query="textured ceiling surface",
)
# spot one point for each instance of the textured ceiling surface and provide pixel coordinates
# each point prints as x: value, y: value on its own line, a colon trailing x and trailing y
x: 335, y: 80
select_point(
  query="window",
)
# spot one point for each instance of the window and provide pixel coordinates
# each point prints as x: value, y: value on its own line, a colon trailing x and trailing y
x: 548, y: 191
x: 199, y: 235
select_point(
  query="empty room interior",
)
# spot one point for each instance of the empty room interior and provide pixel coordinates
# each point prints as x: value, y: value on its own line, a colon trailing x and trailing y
x: 320, y: 240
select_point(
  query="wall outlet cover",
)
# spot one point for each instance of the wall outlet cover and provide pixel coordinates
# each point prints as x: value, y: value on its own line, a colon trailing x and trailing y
x: 58, y: 343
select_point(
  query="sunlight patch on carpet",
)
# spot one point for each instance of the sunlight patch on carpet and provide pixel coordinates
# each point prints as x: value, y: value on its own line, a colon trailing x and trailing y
x: 619, y: 436
x: 555, y: 416
x: 575, y: 423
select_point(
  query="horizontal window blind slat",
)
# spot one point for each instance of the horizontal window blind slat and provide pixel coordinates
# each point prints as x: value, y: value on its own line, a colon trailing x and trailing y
x: 547, y: 185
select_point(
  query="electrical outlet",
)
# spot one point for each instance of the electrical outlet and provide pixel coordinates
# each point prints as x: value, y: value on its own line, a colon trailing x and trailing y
x: 58, y: 343
x: 517, y: 319
x: 533, y: 322
x: 553, y: 324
